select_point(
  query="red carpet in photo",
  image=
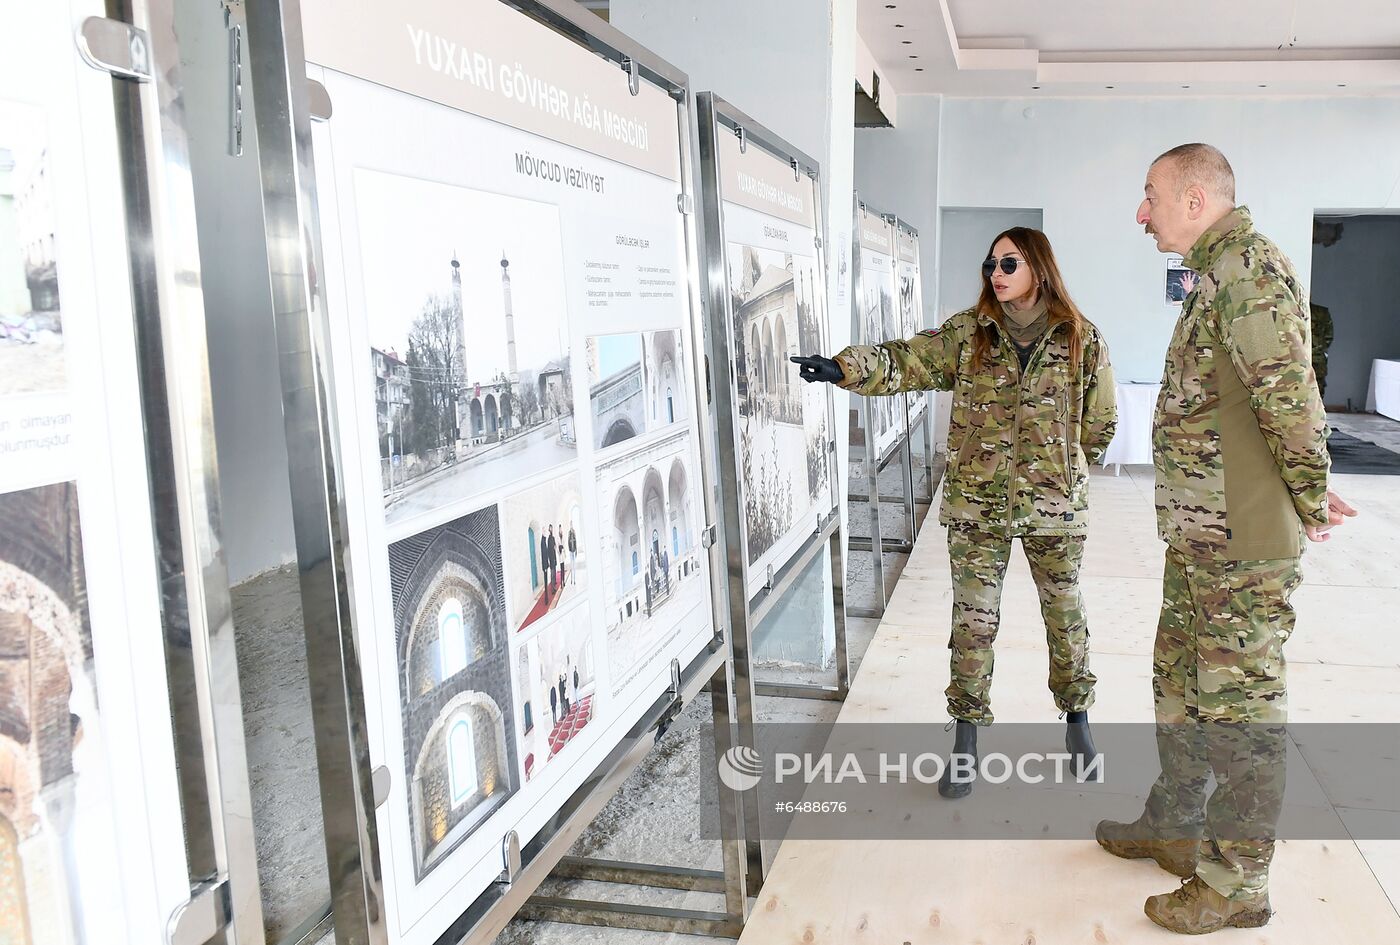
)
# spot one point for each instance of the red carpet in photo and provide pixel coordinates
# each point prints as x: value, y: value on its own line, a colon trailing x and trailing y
x: 542, y: 607
x: 571, y: 724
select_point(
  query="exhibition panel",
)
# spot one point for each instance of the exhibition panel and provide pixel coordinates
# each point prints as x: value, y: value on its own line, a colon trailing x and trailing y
x: 878, y: 316
x: 765, y: 267
x: 776, y: 307
x: 121, y: 754
x: 884, y: 429
x: 512, y: 356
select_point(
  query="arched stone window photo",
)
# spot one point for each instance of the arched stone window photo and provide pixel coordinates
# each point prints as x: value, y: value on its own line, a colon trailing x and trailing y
x: 546, y: 558
x: 51, y: 760
x: 454, y: 673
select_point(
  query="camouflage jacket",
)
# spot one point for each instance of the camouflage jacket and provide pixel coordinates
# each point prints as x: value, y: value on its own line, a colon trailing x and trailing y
x: 1019, y: 445
x: 1240, y: 437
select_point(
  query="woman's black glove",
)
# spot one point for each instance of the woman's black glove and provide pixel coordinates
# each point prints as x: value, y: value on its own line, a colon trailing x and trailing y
x: 817, y: 368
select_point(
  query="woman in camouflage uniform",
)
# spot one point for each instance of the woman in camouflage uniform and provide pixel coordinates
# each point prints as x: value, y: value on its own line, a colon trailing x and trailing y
x: 1033, y: 406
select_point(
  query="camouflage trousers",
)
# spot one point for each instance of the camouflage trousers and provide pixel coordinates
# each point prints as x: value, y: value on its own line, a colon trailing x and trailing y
x: 1221, y: 697
x: 979, y: 559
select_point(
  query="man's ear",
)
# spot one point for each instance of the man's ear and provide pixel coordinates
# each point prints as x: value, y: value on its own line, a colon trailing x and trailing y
x: 1195, y: 198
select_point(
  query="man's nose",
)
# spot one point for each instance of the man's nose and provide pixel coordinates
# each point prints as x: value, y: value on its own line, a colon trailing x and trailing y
x: 1143, y: 217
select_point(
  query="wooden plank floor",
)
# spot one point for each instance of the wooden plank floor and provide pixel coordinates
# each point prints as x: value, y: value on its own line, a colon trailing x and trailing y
x: 1344, y: 666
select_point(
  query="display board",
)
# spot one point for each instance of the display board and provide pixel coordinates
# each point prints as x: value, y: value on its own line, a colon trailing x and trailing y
x: 879, y: 316
x: 91, y: 842
x: 911, y: 300
x: 506, y: 272
x: 776, y: 308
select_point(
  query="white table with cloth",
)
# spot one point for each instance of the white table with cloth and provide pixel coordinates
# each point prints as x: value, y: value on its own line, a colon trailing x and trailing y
x: 1383, y: 397
x: 1132, y: 442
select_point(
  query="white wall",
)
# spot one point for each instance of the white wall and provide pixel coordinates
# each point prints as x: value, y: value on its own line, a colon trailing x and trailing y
x: 1083, y: 162
x: 243, y: 368
x: 1358, y: 279
x: 896, y: 171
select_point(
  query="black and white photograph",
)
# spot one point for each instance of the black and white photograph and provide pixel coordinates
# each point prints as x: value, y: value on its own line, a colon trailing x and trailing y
x: 880, y: 322
x: 649, y: 504
x: 52, y: 790
x: 454, y: 677
x: 555, y: 668
x: 1180, y: 281
x: 469, y: 336
x: 546, y: 562
x: 782, y: 422
x: 31, y: 323
x: 636, y: 384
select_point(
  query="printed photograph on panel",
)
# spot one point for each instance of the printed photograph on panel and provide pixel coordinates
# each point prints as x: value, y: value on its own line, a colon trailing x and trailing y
x: 546, y: 564
x: 649, y: 507
x: 880, y: 323
x: 636, y: 384
x: 555, y: 668
x: 908, y: 315
x: 782, y: 422
x: 454, y: 676
x: 31, y: 323
x: 50, y: 753
x: 464, y: 295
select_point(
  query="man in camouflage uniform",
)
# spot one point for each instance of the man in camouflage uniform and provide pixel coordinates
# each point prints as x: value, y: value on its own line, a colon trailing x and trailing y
x: 1322, y: 333
x: 1023, y: 441
x: 1240, y: 449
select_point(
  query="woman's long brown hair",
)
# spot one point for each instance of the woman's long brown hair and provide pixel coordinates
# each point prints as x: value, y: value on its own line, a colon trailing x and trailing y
x: 1059, y: 307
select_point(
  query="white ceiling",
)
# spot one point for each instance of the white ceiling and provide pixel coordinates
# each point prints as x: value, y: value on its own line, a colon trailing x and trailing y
x: 1135, y: 47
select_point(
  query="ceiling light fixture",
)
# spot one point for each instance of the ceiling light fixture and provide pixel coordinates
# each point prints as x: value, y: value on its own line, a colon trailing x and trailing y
x: 889, y: 6
x: 918, y: 68
x: 899, y: 26
x: 1262, y: 85
x: 913, y: 57
x: 1109, y: 86
x: 1186, y: 86
x: 1035, y: 86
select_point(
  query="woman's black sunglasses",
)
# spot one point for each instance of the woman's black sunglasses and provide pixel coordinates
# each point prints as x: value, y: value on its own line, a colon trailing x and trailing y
x: 1008, y: 265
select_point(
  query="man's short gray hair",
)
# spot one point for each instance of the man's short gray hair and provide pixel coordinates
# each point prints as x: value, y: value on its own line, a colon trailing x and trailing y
x: 1203, y: 165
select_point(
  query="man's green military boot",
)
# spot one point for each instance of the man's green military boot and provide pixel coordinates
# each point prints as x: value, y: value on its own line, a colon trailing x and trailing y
x: 1136, y: 841
x: 1196, y: 909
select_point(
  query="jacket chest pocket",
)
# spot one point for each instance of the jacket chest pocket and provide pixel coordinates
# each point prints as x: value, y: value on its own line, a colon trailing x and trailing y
x: 1182, y: 380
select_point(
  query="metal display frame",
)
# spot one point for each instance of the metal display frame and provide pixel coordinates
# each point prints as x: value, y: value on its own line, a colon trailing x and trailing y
x: 284, y: 114
x: 137, y: 43
x: 876, y: 543
x: 715, y: 118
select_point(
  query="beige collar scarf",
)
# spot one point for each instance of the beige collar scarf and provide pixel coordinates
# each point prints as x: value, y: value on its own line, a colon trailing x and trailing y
x: 1025, y: 326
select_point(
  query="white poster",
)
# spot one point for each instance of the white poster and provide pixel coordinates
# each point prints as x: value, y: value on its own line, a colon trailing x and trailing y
x: 777, y: 307
x: 91, y: 845
x: 506, y: 276
x: 911, y: 302
x: 879, y: 318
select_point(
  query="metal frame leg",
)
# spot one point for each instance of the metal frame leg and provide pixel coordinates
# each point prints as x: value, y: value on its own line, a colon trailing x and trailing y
x: 911, y: 521
x: 876, y: 540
